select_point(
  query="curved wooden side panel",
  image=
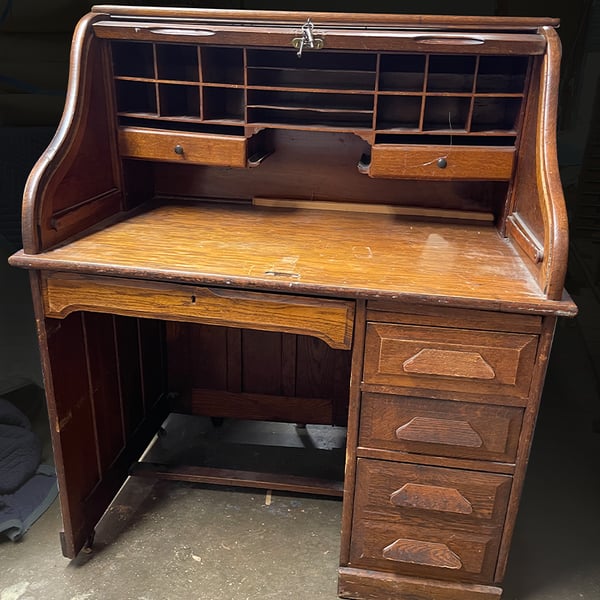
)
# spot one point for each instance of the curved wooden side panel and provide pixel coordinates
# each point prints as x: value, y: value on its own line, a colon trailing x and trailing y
x: 76, y: 182
x: 536, y: 219
x: 554, y: 266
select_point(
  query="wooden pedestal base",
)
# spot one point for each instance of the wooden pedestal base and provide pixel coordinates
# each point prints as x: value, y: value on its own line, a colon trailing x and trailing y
x: 360, y: 584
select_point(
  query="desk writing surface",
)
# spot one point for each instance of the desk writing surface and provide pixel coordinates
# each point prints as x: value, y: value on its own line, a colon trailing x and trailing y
x: 316, y: 251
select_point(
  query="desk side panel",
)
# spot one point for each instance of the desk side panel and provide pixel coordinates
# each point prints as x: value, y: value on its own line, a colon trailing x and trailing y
x: 76, y: 182
x: 536, y: 215
x: 104, y: 382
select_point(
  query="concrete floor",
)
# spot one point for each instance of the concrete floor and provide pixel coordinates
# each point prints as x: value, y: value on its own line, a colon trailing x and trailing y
x: 175, y: 541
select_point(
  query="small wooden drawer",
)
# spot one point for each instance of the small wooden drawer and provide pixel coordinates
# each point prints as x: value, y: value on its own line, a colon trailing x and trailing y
x: 183, y: 147
x: 329, y: 320
x: 425, y: 495
x: 441, y: 162
x: 443, y: 358
x: 427, y: 551
x: 440, y: 427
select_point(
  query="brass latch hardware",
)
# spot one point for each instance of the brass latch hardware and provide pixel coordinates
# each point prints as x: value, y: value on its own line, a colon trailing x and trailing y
x: 307, y: 39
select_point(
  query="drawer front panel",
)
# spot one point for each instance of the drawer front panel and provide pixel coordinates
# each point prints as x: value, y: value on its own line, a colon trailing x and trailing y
x: 441, y: 162
x: 182, y: 147
x: 425, y: 551
x: 457, y: 360
x: 440, y: 427
x: 426, y: 495
x: 329, y: 320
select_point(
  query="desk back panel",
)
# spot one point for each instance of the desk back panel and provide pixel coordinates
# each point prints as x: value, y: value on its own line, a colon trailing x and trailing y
x: 225, y: 371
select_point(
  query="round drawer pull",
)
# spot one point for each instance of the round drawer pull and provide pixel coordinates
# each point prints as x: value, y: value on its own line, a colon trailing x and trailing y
x: 178, y: 149
x: 442, y: 163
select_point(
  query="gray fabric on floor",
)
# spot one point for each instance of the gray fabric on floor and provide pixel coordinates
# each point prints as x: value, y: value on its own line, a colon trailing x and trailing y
x: 26, y: 488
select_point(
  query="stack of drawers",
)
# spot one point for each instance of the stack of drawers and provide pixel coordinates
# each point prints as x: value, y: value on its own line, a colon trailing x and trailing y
x: 444, y: 395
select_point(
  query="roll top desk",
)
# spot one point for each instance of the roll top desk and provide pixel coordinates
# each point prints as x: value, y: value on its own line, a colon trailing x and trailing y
x: 313, y: 218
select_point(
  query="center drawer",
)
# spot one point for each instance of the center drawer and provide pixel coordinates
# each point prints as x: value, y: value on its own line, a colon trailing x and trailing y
x: 448, y: 359
x: 328, y: 319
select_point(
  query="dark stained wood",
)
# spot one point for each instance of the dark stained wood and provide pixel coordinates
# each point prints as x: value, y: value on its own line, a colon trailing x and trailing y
x: 528, y: 426
x: 453, y: 462
x: 282, y: 36
x: 129, y: 369
x: 449, y: 359
x: 430, y: 495
x: 107, y: 407
x: 263, y: 407
x: 353, y: 430
x: 439, y: 427
x: 288, y: 483
x: 554, y: 211
x: 92, y: 429
x: 62, y: 196
x: 395, y: 312
x: 462, y: 554
x: 372, y: 234
x: 416, y: 21
x: 359, y: 584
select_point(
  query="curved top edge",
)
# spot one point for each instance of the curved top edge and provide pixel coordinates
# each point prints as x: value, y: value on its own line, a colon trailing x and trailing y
x: 364, y: 19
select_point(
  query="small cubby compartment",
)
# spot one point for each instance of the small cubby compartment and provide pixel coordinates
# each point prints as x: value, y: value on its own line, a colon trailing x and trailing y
x: 223, y: 104
x: 398, y: 112
x: 311, y: 117
x: 444, y: 140
x: 320, y: 70
x: 502, y: 74
x: 402, y: 72
x: 446, y: 113
x: 133, y: 59
x: 311, y: 100
x: 222, y: 65
x: 177, y: 62
x: 495, y: 113
x: 179, y: 100
x: 450, y: 73
x: 136, y: 97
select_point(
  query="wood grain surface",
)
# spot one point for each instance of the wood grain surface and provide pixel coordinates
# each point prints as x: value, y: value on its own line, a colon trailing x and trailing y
x: 318, y: 252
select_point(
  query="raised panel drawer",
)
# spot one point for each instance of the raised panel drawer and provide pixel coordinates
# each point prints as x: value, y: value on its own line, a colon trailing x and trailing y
x: 183, y: 147
x: 427, y: 551
x: 426, y: 495
x: 441, y: 162
x: 327, y: 319
x: 443, y: 358
x: 440, y: 427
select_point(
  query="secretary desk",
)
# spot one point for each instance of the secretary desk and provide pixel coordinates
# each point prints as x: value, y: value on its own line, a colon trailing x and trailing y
x: 320, y: 218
